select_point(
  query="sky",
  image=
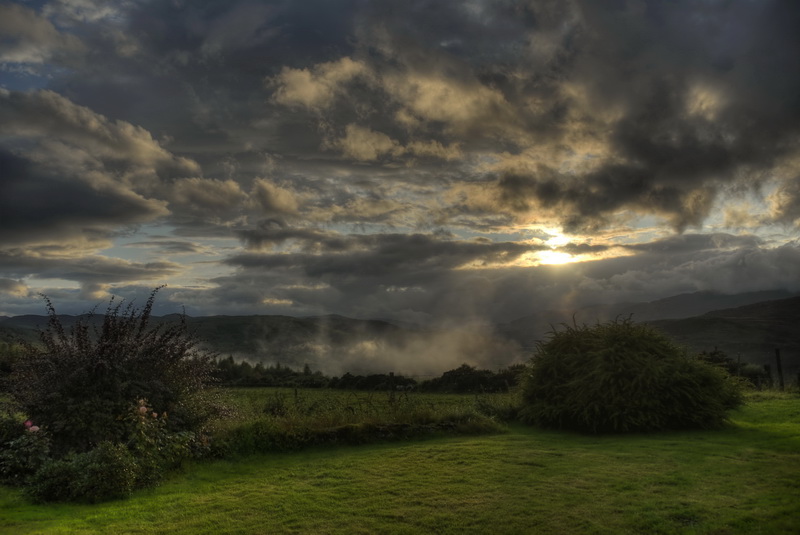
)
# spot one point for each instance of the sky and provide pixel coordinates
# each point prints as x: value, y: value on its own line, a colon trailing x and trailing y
x: 421, y: 161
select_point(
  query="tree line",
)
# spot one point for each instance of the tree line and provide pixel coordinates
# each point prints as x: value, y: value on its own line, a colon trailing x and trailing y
x: 464, y: 379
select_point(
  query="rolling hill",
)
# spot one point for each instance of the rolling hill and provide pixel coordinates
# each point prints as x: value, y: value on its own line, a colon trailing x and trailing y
x: 751, y: 325
x: 753, y: 331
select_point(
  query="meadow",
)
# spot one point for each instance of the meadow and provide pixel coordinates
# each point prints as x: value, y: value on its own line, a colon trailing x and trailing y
x: 509, y: 479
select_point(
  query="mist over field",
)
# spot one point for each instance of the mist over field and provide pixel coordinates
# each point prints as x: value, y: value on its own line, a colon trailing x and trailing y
x: 748, y: 327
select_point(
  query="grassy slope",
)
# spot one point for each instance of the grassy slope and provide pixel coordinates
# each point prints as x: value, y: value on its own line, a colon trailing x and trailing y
x: 745, y: 479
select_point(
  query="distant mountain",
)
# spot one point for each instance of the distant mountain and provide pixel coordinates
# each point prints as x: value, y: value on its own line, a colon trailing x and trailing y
x: 286, y: 339
x: 751, y: 324
x: 530, y: 329
x: 321, y: 341
x: 753, y: 332
x: 692, y: 304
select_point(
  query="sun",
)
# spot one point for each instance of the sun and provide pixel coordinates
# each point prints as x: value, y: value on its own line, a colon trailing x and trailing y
x: 554, y: 257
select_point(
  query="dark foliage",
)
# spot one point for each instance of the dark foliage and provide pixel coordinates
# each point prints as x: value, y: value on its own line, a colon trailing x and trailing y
x: 10, y: 353
x: 232, y: 373
x: 464, y: 379
x: 622, y: 376
x: 23, y: 455
x: 107, y: 472
x: 375, y: 381
x: 469, y: 379
x: 80, y: 382
x: 756, y: 375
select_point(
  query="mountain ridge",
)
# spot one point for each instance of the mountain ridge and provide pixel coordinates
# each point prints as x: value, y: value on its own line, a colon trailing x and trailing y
x: 333, y: 342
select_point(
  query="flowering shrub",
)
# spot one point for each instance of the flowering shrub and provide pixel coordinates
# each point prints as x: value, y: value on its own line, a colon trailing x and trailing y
x: 81, y: 381
x: 155, y: 448
x: 108, y: 471
x: 83, y: 438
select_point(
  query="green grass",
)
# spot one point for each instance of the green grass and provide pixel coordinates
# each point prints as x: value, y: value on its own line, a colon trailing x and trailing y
x: 744, y: 479
x: 265, y: 420
x: 324, y: 407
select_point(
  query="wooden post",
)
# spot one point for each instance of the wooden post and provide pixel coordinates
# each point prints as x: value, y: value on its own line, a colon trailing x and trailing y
x: 780, y: 369
x: 768, y: 372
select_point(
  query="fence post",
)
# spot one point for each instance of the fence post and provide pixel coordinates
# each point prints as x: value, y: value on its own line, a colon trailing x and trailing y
x: 779, y: 368
x: 768, y: 372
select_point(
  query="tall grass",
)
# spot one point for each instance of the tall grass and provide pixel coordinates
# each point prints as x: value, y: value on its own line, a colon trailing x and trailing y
x: 266, y: 419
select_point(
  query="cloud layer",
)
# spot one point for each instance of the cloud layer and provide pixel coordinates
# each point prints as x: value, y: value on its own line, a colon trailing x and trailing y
x: 425, y: 161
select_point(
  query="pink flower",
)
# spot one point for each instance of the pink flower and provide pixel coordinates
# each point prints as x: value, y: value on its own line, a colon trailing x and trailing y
x: 33, y: 428
x: 155, y: 415
x: 28, y: 424
x: 142, y: 410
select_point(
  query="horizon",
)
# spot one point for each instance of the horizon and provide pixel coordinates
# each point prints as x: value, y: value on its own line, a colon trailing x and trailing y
x: 750, y: 298
x: 422, y: 163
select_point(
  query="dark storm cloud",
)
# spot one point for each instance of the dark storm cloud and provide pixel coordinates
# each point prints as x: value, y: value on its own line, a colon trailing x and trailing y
x: 30, y: 39
x: 69, y: 173
x: 300, y: 285
x: 93, y: 273
x: 689, y: 243
x: 12, y: 287
x: 413, y: 277
x: 171, y: 247
x: 194, y: 70
x: 86, y: 269
x: 381, y: 255
x: 38, y: 205
x: 670, y: 271
x: 688, y: 114
x: 331, y: 141
x: 273, y: 232
x: 699, y: 104
x: 583, y: 248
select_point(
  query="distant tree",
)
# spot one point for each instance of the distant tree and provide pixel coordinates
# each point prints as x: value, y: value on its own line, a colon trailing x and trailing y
x: 469, y: 379
x: 746, y: 370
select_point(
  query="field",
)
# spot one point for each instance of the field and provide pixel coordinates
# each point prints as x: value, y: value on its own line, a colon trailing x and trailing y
x: 743, y: 479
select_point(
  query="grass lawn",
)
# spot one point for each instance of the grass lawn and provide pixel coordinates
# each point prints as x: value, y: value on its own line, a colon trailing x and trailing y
x: 744, y: 479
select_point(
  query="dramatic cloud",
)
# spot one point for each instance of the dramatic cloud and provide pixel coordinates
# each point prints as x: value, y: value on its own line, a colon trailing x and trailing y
x: 425, y: 161
x: 317, y: 87
x: 29, y: 38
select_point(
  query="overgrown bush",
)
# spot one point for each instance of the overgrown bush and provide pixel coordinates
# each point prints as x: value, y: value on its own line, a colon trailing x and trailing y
x: 112, y: 406
x: 107, y: 472
x: 621, y: 376
x: 80, y: 382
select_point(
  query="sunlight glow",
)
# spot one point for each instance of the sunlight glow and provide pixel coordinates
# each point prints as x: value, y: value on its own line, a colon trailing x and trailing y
x: 554, y: 257
x: 276, y: 301
x: 557, y: 239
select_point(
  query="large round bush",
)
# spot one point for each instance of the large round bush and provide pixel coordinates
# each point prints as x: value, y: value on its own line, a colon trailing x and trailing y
x: 621, y: 376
